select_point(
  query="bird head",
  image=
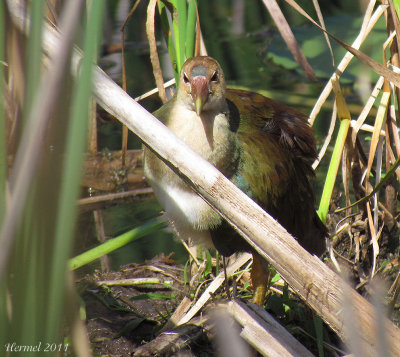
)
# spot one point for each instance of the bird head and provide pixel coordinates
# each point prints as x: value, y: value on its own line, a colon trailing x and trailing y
x: 202, y: 84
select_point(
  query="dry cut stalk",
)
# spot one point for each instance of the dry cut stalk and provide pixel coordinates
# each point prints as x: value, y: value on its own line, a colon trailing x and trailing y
x: 264, y: 333
x: 319, y: 286
x: 346, y: 60
x: 134, y: 281
x: 113, y: 199
x: 169, y: 343
x: 217, y: 282
x: 289, y: 38
x: 155, y: 61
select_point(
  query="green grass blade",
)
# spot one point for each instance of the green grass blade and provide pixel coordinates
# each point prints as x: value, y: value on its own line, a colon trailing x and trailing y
x: 175, y: 39
x: 3, y: 142
x: 113, y: 244
x: 333, y: 169
x: 75, y: 146
x: 153, y: 296
x: 186, y: 273
x: 397, y: 7
x: 4, y: 324
x: 191, y: 29
x: 34, y: 55
x: 168, y: 37
x: 208, y: 269
x: 319, y: 332
x: 181, y: 36
x: 25, y: 294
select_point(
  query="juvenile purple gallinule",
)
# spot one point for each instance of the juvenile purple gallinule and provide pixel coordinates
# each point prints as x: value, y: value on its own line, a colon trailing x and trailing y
x: 262, y: 146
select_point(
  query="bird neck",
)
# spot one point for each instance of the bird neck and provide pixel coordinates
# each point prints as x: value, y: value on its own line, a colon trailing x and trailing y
x: 208, y: 134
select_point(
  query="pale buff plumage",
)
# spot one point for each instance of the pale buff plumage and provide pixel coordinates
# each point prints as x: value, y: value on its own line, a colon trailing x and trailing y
x: 208, y: 134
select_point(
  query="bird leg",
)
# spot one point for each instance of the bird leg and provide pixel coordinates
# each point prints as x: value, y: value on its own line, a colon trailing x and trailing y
x: 260, y: 277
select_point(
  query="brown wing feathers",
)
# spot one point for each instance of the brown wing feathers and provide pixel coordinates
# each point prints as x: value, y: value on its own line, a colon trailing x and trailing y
x: 278, y: 149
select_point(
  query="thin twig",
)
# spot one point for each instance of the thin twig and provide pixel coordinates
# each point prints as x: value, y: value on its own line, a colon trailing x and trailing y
x: 104, y: 201
x: 155, y: 90
x: 214, y: 286
x: 135, y: 281
x: 345, y: 61
x: 124, y: 128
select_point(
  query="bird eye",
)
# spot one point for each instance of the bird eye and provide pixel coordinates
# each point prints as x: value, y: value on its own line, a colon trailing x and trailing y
x: 185, y: 78
x: 214, y: 77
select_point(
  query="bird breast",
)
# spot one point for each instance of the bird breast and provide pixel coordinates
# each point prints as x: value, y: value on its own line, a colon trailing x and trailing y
x: 189, y: 214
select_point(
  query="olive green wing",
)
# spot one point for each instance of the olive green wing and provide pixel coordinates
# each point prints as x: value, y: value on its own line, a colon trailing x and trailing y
x: 278, y: 147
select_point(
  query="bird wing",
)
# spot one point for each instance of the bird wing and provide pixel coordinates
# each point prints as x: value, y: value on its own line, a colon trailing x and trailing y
x: 278, y: 147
